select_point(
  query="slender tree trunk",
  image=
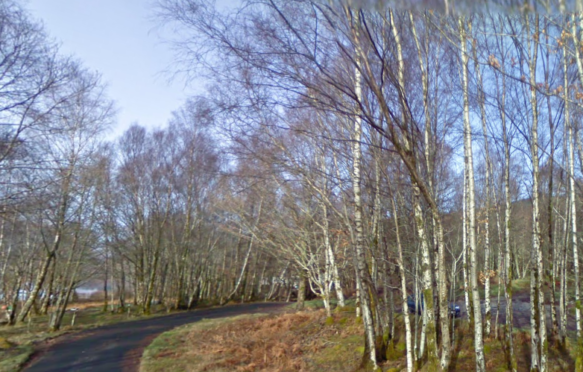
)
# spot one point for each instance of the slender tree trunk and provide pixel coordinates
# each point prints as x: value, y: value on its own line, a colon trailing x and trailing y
x: 405, y: 307
x: 508, y: 264
x: 481, y: 99
x: 105, y: 276
x: 246, y: 259
x: 563, y: 275
x: 301, y: 291
x: 122, y: 285
x: 14, y: 302
x: 578, y: 318
x: 550, y: 274
x: 331, y: 258
x: 501, y: 261
x: 538, y: 272
x: 469, y: 166
x: 47, y: 300
x: 465, y: 244
x: 149, y: 297
x: 40, y: 278
x: 374, y: 344
x: 360, y: 255
x: 429, y: 330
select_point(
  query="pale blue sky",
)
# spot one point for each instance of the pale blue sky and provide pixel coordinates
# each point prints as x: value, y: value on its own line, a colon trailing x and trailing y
x: 118, y: 39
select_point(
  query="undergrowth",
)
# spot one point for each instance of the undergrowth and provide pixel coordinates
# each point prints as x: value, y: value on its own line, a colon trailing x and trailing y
x: 310, y: 341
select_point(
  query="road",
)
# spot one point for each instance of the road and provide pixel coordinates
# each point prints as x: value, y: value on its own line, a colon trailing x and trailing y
x: 520, y: 311
x: 118, y: 347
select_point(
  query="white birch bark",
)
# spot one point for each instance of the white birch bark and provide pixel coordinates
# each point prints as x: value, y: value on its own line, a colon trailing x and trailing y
x: 429, y: 327
x: 487, y: 307
x: 579, y: 359
x: 541, y: 342
x: 550, y: 272
x: 469, y: 166
x: 360, y: 257
x: 405, y: 307
x: 331, y: 256
x: 246, y: 259
x: 508, y: 327
x: 572, y: 210
x: 563, y: 293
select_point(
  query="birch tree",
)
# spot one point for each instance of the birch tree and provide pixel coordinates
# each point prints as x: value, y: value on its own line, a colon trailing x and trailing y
x: 471, y: 206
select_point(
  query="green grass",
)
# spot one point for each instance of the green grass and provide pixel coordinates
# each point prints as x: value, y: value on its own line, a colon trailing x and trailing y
x: 319, y: 304
x: 14, y: 358
x: 518, y: 286
x: 328, y: 359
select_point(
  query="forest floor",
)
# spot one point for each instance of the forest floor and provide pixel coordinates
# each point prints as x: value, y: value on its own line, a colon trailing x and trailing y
x: 309, y: 341
x: 19, y: 342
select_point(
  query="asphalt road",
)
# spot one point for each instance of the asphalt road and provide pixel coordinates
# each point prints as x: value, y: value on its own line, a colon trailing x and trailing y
x: 520, y: 311
x: 118, y: 347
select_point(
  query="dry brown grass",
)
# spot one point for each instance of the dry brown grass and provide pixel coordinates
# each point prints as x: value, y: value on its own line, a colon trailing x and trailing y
x: 254, y: 344
x: 289, y: 342
x: 309, y: 342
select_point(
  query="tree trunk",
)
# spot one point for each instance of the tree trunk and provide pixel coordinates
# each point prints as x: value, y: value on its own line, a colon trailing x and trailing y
x: 14, y: 303
x: 40, y: 278
x: 578, y: 318
x: 404, y: 305
x: 550, y: 273
x: 487, y: 307
x: 538, y: 272
x: 372, y: 350
x: 437, y: 233
x: 469, y: 166
x: 508, y: 264
x: 246, y: 259
x: 301, y: 291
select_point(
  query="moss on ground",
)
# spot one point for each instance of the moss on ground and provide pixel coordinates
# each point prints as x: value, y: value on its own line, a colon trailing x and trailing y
x: 11, y: 360
x: 5, y: 344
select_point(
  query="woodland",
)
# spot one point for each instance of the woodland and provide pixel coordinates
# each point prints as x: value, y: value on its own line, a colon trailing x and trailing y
x: 379, y: 152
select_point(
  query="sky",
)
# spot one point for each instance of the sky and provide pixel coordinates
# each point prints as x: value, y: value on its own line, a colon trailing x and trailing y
x: 119, y: 39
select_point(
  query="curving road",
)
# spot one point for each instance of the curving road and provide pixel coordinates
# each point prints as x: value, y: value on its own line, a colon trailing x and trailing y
x: 118, y: 347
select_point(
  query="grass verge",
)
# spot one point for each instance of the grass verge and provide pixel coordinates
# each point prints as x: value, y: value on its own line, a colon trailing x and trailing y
x: 302, y: 341
x: 14, y: 358
x: 309, y: 341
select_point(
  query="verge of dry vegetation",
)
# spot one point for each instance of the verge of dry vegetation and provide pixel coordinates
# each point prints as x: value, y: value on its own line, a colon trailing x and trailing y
x: 300, y: 341
x: 309, y: 342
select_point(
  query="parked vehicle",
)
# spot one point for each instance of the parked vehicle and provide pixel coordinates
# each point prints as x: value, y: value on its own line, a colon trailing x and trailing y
x: 411, y: 305
x: 454, y: 310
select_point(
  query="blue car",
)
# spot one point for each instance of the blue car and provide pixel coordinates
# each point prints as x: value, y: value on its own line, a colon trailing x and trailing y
x: 454, y: 310
x: 411, y: 305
